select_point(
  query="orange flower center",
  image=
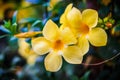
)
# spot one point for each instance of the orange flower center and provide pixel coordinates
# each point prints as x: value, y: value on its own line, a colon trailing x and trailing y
x: 58, y: 45
x: 84, y: 29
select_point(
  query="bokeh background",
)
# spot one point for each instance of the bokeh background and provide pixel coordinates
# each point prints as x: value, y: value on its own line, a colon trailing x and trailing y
x: 32, y: 15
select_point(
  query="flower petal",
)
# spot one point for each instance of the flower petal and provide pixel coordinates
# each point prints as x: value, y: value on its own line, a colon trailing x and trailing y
x: 32, y: 59
x: 74, y: 17
x: 24, y: 48
x: 83, y: 45
x: 40, y: 45
x: 50, y: 31
x: 90, y: 17
x: 24, y: 52
x: 23, y: 44
x: 67, y: 36
x: 98, y: 37
x: 73, y: 55
x: 53, y: 62
x: 63, y: 17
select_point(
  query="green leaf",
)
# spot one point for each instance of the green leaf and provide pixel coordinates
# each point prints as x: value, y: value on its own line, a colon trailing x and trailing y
x: 14, y: 17
x: 27, y: 20
x: 36, y: 23
x: 14, y: 28
x: 100, y: 20
x: 7, y: 24
x: 2, y: 28
x: 112, y: 21
x: 85, y: 76
x: 105, y: 19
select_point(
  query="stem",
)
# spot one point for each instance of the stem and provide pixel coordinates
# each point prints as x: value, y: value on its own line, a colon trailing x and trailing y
x: 95, y: 64
x: 4, y: 36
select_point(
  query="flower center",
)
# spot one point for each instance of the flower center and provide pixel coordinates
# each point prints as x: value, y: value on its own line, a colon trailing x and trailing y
x: 58, y: 45
x: 84, y: 29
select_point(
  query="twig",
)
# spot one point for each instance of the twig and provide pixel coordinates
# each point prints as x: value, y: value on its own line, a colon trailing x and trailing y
x: 95, y: 64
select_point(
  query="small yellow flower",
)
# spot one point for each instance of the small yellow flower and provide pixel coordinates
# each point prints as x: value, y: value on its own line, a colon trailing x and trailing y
x: 83, y: 26
x: 56, y: 42
x: 26, y: 52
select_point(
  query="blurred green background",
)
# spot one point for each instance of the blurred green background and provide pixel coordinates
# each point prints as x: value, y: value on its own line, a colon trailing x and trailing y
x: 32, y: 15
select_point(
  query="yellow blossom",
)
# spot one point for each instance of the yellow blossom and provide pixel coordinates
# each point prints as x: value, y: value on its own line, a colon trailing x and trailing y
x: 83, y: 25
x: 26, y: 52
x: 57, y: 43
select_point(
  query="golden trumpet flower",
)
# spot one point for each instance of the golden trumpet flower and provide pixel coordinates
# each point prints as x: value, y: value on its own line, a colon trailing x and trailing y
x: 83, y: 25
x: 26, y: 52
x: 57, y: 43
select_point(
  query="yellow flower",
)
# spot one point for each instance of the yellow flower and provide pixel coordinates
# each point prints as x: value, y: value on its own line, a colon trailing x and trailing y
x: 56, y: 42
x: 26, y: 52
x: 83, y: 26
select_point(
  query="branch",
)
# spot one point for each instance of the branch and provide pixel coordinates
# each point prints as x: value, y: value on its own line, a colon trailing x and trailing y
x: 105, y: 61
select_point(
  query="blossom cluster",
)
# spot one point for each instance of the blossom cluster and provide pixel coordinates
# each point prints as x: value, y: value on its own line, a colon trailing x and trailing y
x: 70, y: 40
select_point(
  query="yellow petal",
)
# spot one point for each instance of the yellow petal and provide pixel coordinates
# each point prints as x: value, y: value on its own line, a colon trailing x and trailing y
x: 40, y: 45
x: 53, y: 62
x: 97, y: 37
x: 73, y: 55
x: 74, y: 17
x: 24, y: 52
x: 62, y: 26
x: 90, y: 17
x: 83, y: 45
x: 63, y: 17
x: 68, y: 8
x: 22, y: 43
x: 32, y: 59
x: 67, y: 36
x: 24, y: 48
x: 50, y: 31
